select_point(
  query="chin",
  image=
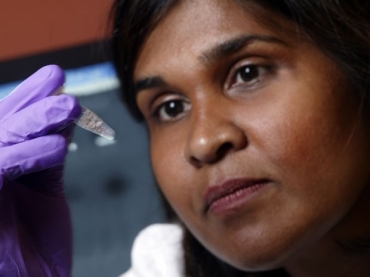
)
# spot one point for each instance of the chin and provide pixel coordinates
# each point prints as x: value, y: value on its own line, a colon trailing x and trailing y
x: 256, y: 263
x: 262, y: 256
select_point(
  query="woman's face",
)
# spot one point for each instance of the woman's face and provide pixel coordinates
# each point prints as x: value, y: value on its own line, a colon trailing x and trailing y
x: 256, y: 138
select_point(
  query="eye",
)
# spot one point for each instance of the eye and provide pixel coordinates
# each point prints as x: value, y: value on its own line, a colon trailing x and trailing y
x: 250, y: 75
x: 247, y: 73
x: 171, y: 110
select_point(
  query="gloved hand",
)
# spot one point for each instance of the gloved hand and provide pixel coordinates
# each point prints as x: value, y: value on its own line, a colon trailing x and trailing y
x: 35, y: 223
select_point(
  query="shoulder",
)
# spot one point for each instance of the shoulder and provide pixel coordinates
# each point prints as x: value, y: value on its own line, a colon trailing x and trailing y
x: 157, y: 251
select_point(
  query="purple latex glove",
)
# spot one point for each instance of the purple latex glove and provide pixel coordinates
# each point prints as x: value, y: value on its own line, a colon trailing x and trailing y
x: 35, y: 223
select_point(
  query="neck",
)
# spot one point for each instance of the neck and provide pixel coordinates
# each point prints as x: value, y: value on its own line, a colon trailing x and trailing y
x: 340, y: 263
x: 344, y: 251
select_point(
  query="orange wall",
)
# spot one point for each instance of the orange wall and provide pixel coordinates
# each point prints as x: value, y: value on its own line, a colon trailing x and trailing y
x: 35, y: 26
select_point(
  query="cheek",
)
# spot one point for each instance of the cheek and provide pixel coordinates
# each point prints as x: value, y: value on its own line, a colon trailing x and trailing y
x: 171, y: 170
x: 316, y: 152
x: 305, y: 139
x: 295, y: 140
x: 306, y: 127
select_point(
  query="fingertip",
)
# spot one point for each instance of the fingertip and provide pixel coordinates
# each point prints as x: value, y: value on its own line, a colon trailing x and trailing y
x: 76, y: 108
x: 71, y: 104
x: 51, y: 73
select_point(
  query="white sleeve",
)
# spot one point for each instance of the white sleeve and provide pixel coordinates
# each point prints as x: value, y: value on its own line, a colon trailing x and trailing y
x: 157, y: 252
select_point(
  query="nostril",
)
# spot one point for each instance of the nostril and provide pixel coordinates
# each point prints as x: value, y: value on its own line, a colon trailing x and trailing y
x: 223, y: 150
x: 196, y: 162
x: 213, y: 158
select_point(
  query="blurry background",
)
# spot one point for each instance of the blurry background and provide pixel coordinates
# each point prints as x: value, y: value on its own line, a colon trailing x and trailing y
x: 109, y: 184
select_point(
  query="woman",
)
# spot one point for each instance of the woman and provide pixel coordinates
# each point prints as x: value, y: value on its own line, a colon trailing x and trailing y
x: 258, y: 120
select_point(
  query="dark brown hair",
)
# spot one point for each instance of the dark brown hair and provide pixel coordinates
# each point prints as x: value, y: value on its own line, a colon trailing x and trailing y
x: 340, y: 28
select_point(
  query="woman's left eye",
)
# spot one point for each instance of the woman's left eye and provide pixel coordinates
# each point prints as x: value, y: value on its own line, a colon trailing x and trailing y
x: 249, y: 75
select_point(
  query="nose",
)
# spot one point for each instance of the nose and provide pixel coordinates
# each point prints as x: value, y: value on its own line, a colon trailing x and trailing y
x: 213, y: 136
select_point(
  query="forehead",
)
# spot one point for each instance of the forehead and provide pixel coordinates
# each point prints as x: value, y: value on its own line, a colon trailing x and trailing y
x: 192, y: 27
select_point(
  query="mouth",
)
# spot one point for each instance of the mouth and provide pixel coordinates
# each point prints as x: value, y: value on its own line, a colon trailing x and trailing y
x: 232, y: 194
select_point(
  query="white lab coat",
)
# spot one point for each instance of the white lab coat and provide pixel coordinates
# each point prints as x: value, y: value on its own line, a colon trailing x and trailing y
x: 157, y: 252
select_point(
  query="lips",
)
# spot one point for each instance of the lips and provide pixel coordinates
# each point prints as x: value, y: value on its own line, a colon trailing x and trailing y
x: 231, y: 194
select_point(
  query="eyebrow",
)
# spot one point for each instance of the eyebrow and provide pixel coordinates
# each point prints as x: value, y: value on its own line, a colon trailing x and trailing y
x: 210, y: 56
x: 234, y: 45
x: 148, y: 83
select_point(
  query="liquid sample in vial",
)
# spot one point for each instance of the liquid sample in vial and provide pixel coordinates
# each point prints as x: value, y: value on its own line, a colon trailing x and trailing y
x: 89, y: 121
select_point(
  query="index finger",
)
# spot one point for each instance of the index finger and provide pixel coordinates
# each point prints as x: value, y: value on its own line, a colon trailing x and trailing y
x: 38, y: 86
